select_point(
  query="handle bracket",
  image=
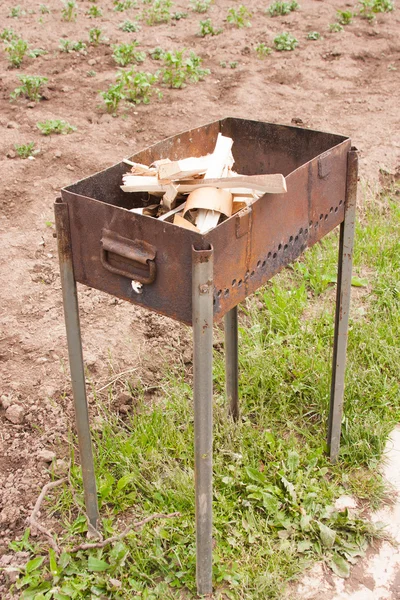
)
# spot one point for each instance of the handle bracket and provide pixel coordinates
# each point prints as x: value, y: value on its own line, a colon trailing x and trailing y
x: 114, y: 247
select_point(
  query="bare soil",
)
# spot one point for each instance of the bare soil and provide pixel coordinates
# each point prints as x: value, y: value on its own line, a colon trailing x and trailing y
x: 347, y: 83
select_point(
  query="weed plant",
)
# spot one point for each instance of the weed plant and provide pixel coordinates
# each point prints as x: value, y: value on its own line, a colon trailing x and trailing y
x: 129, y: 26
x: 157, y: 12
x: 95, y: 36
x: 26, y: 150
x: 274, y: 487
x: 8, y: 35
x: 178, y: 70
x: 277, y: 9
x: 44, y: 10
x: 125, y: 54
x: 177, y: 16
x: 55, y: 126
x: 16, y: 12
x: 285, y: 42
x: 112, y: 97
x: 263, y: 50
x: 94, y: 12
x: 344, y: 17
x: 72, y: 46
x: 369, y: 8
x: 16, y: 50
x: 70, y: 11
x: 200, y: 6
x: 30, y: 87
x: 122, y: 5
x: 207, y: 28
x: 157, y: 53
x: 239, y: 17
x: 335, y: 27
x: 36, y: 52
x: 313, y: 35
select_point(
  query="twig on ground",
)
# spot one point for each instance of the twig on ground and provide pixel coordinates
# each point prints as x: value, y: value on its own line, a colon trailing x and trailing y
x: 32, y: 519
x: 126, y: 531
x: 115, y: 379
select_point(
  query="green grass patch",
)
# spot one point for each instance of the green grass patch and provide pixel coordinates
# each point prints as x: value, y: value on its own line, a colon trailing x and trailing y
x: 274, y: 487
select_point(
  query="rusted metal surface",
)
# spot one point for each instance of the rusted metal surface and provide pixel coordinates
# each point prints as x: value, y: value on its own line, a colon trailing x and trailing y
x: 71, y: 312
x: 202, y: 303
x: 249, y: 248
x: 343, y: 291
x: 232, y: 362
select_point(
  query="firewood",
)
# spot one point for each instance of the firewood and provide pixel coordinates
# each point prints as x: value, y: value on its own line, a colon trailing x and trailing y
x: 183, y: 169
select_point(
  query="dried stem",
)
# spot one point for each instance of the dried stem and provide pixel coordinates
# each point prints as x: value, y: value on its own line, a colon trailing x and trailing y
x: 32, y: 520
x: 126, y: 531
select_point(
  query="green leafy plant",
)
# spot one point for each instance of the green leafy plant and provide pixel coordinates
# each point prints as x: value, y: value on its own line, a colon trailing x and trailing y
x: 335, y: 27
x: 55, y: 126
x: 206, y: 28
x: 122, y: 5
x: 313, y: 35
x: 16, y: 50
x: 72, y: 46
x: 44, y: 10
x: 157, y: 12
x: 157, y: 53
x: 26, y: 150
x: 344, y: 17
x: 94, y: 12
x: 112, y: 97
x: 30, y: 88
x: 138, y: 86
x: 70, y: 11
x: 36, y: 52
x: 95, y: 36
x: 8, y: 35
x: 263, y: 50
x: 239, y: 17
x: 129, y: 26
x: 285, y: 42
x: 91, y: 73
x: 16, y: 12
x: 278, y: 8
x: 200, y: 6
x: 369, y: 8
x: 124, y: 54
x: 177, y: 16
x: 178, y: 69
x: 233, y: 64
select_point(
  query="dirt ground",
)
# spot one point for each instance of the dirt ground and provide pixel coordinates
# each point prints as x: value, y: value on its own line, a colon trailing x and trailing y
x: 346, y: 83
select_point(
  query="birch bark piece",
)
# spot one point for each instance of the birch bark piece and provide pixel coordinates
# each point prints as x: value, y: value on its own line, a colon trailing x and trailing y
x: 210, y: 198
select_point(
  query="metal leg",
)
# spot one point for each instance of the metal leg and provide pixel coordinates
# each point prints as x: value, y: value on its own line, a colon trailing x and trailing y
x: 343, y: 291
x: 71, y: 313
x: 231, y: 362
x: 202, y: 307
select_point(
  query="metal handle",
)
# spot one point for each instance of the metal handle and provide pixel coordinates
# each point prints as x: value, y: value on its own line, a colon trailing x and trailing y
x: 136, y: 251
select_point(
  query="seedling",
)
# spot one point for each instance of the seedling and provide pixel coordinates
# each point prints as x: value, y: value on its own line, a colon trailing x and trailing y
x: 263, y: 50
x: 112, y: 97
x: 70, y: 11
x: 200, y: 6
x: 30, y: 88
x: 277, y: 9
x: 177, y: 69
x: 138, y: 86
x: 371, y: 7
x: 36, y: 52
x: 44, y: 10
x: 313, y: 35
x: 55, y: 126
x: 239, y: 17
x: 344, y: 17
x: 223, y: 64
x: 95, y: 36
x: 124, y: 54
x: 71, y: 46
x: 94, y: 12
x: 129, y: 26
x: 122, y: 5
x: 16, y: 12
x: 206, y: 28
x: 26, y: 150
x: 177, y: 16
x: 335, y: 27
x: 156, y: 53
x: 16, y: 50
x: 91, y: 73
x: 285, y: 41
x: 7, y: 35
x: 158, y: 12
x: 233, y: 64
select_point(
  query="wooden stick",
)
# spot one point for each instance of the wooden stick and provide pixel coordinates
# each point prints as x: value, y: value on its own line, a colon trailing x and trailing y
x: 32, y: 518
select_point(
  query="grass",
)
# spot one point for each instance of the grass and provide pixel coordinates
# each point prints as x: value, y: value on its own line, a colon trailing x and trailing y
x: 274, y: 488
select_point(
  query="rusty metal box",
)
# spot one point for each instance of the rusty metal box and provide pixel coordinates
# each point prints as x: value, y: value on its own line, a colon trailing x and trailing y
x: 112, y: 246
